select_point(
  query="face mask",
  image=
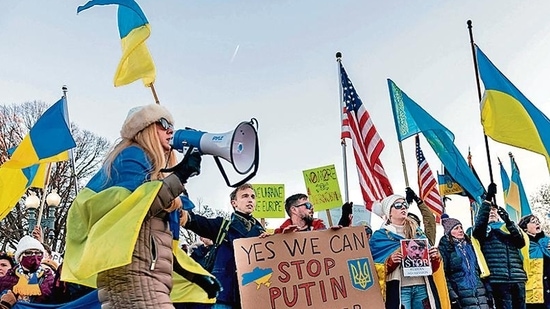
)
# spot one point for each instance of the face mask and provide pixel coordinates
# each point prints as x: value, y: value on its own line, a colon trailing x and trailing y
x: 31, y: 262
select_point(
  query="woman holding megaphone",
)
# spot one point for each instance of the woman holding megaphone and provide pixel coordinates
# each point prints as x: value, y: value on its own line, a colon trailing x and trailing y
x: 118, y: 226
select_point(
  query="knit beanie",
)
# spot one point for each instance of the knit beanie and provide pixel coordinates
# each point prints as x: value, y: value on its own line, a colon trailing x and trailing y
x: 140, y: 117
x: 448, y: 223
x: 27, y: 243
x: 383, y: 208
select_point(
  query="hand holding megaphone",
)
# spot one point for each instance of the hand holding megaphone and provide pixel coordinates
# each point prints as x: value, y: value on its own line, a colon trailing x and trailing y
x: 238, y: 147
x: 189, y: 166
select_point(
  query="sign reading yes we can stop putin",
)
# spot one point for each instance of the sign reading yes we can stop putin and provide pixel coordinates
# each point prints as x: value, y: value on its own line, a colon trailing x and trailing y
x: 323, y: 188
x: 328, y: 269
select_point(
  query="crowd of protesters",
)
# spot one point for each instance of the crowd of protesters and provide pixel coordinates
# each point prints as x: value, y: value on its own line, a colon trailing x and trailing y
x: 501, y: 265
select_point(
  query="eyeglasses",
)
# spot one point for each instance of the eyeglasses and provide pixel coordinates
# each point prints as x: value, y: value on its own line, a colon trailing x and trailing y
x: 400, y: 205
x: 535, y: 221
x: 308, y: 205
x: 32, y: 253
x: 165, y: 124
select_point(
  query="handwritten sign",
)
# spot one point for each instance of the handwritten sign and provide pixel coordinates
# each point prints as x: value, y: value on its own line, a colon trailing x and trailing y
x: 323, y: 188
x: 270, y: 200
x: 329, y: 269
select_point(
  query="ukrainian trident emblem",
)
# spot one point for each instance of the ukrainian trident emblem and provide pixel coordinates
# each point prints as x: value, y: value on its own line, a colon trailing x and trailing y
x: 360, y: 273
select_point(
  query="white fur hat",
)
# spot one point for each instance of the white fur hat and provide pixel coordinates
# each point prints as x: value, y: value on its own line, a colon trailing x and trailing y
x: 142, y: 116
x: 27, y: 243
x: 383, y: 208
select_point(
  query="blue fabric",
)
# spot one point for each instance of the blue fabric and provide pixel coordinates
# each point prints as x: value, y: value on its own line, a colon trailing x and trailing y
x: 130, y: 15
x: 438, y: 136
x: 88, y: 301
x: 53, y: 122
x: 469, y: 262
x: 383, y: 243
x: 127, y: 171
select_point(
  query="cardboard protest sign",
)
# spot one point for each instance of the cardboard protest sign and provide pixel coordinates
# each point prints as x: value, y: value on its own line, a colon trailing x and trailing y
x: 270, y: 200
x: 329, y: 269
x: 416, y: 259
x: 322, y: 187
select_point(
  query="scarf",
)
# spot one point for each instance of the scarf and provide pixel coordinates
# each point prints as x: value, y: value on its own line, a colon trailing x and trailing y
x: 469, y: 262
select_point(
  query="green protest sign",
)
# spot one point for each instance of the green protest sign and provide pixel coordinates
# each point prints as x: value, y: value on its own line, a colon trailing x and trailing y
x: 270, y: 200
x: 323, y: 188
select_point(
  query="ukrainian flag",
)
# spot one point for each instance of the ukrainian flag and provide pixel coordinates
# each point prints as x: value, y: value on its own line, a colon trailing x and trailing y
x: 133, y: 27
x: 47, y: 141
x: 507, y: 115
x: 511, y: 208
x: 14, y: 182
x: 516, y: 193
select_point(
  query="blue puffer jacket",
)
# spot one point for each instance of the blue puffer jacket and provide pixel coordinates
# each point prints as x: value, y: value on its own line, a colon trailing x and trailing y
x: 459, y: 289
x: 501, y: 247
x: 225, y: 270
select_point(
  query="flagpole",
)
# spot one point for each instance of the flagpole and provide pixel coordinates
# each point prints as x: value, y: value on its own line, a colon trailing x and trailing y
x: 472, y: 44
x: 342, y: 140
x: 403, y: 164
x: 71, y: 152
x: 43, y: 199
x: 152, y: 86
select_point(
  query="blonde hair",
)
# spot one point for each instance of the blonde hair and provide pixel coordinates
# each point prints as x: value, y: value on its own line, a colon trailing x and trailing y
x: 148, y: 140
x: 409, y: 227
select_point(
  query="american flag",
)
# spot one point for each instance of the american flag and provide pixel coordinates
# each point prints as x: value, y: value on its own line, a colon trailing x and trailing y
x: 367, y: 144
x: 427, y: 184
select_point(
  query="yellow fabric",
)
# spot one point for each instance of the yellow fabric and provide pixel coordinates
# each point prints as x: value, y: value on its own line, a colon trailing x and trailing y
x: 480, y: 259
x: 441, y: 286
x: 184, y: 290
x: 136, y: 61
x: 95, y: 224
x: 13, y: 184
x: 23, y: 287
x: 534, y: 288
x: 525, y: 253
x: 505, y: 120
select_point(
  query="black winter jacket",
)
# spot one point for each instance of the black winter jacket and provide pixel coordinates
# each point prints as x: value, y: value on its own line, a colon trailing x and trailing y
x: 501, y: 249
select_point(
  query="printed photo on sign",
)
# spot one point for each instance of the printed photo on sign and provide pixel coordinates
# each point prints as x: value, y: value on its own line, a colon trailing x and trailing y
x: 416, y: 259
x: 328, y: 269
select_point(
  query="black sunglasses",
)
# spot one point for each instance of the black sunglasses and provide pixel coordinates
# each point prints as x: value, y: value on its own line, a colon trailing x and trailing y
x: 165, y: 124
x: 400, y: 205
x: 308, y: 205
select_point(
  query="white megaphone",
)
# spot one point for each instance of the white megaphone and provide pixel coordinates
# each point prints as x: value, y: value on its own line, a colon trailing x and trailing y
x: 239, y: 147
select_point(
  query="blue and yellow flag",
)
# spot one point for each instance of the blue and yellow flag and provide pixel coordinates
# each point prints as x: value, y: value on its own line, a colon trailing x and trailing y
x: 411, y: 119
x: 511, y: 209
x: 507, y: 115
x: 47, y: 141
x: 516, y: 193
x: 134, y: 29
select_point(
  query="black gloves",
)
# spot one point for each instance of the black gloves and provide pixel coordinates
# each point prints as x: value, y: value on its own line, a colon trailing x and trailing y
x: 189, y: 166
x: 347, y: 210
x: 503, y: 215
x: 455, y: 304
x: 410, y: 196
x: 491, y: 192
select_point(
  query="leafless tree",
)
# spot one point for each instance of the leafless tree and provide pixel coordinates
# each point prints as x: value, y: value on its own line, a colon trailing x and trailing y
x: 15, y: 122
x: 540, y: 205
x: 189, y: 237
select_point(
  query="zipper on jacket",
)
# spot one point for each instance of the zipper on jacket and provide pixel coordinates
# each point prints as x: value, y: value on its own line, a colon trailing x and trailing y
x: 154, y: 254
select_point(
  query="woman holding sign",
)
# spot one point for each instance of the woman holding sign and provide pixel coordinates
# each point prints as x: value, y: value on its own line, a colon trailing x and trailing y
x: 416, y: 287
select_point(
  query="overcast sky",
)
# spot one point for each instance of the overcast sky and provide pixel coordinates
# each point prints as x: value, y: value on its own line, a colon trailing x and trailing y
x: 221, y: 62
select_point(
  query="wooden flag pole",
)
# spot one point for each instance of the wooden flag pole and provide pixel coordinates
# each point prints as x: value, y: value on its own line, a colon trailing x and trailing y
x: 403, y: 164
x: 43, y: 199
x: 152, y: 86
x: 472, y: 44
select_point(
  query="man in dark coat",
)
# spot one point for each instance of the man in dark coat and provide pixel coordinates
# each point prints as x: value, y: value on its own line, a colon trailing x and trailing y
x: 501, y: 242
